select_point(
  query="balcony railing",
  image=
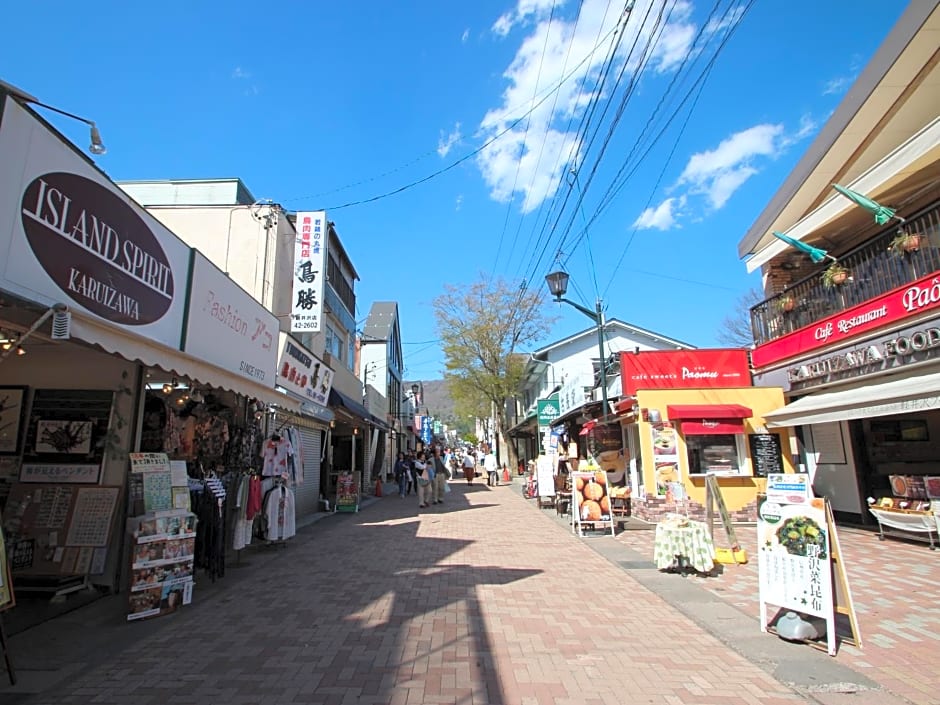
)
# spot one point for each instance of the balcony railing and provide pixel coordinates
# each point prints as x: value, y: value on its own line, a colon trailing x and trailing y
x: 874, y: 270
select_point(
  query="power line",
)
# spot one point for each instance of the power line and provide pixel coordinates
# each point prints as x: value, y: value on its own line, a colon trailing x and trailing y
x: 462, y: 159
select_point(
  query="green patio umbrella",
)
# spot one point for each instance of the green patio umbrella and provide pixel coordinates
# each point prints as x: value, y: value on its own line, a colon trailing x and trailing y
x: 815, y: 254
x: 882, y: 213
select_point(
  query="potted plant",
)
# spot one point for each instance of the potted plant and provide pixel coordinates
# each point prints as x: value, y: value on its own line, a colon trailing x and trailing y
x: 905, y: 243
x: 835, y: 275
x: 786, y: 303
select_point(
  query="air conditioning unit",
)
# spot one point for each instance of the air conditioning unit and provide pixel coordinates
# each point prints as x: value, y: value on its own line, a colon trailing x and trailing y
x: 62, y: 325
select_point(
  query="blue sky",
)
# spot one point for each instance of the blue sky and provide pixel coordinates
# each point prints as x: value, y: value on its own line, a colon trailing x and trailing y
x: 532, y: 134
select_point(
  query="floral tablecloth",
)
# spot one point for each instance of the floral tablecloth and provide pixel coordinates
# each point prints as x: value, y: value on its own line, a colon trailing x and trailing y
x: 690, y: 542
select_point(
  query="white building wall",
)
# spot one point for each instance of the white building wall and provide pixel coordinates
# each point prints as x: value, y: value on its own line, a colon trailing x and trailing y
x: 374, y: 366
x: 258, y: 259
x: 574, y: 357
x: 183, y: 193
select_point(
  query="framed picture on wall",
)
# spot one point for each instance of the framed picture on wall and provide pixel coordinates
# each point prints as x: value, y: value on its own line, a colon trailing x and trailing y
x: 12, y: 416
x: 61, y: 436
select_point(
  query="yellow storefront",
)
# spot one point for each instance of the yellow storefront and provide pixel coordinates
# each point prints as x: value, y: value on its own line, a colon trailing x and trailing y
x: 695, y: 413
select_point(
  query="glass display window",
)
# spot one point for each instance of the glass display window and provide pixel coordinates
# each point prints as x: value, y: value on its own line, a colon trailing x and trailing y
x: 720, y: 454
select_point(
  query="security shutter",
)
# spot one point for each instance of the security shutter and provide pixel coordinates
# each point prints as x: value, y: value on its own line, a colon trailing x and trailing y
x: 307, y: 495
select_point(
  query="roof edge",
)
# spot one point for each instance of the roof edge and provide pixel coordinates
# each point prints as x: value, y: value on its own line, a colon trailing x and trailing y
x: 887, y: 54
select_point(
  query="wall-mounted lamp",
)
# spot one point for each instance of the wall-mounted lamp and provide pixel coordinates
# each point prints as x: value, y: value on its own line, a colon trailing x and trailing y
x: 20, y: 351
x: 97, y: 146
x: 168, y: 387
x: 332, y: 424
x: 356, y: 431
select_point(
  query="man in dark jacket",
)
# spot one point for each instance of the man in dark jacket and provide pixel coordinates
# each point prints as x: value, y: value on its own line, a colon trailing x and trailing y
x: 402, y: 474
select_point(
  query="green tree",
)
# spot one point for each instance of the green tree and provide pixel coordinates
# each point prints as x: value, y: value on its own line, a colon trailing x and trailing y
x: 483, y: 327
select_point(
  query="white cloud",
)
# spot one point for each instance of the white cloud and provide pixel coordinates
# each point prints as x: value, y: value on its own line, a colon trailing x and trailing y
x: 465, y: 36
x: 445, y: 144
x: 524, y: 11
x: 837, y: 85
x: 675, y: 39
x: 458, y: 203
x: 240, y: 73
x: 716, y: 174
x: 719, y: 172
x: 660, y: 218
x: 532, y: 156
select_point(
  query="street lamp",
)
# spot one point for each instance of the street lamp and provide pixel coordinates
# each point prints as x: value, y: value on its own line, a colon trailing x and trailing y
x: 558, y: 286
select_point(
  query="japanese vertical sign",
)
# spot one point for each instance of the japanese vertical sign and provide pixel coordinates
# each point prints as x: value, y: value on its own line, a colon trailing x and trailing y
x: 795, y: 557
x: 309, y: 274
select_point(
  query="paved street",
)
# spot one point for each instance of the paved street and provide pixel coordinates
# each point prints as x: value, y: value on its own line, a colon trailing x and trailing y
x: 483, y: 600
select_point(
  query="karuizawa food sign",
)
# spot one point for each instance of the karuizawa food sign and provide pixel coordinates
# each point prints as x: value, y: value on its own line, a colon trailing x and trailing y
x: 795, y: 553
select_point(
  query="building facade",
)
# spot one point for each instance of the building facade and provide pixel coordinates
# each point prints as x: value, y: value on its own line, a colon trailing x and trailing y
x: 858, y: 356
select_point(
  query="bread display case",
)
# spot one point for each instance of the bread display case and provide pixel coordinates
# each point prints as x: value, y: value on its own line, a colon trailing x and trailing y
x: 911, y: 512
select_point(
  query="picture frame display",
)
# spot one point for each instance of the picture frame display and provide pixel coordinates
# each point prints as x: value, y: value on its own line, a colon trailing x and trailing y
x: 12, y: 416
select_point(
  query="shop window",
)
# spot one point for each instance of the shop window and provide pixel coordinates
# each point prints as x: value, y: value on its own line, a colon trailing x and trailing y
x: 333, y: 342
x: 895, y: 430
x: 720, y: 454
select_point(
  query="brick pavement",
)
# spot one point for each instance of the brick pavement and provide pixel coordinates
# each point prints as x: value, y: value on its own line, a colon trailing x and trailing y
x: 484, y: 600
x: 895, y: 587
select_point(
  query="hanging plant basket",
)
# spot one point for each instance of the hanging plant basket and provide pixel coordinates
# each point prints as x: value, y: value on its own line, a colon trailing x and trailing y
x: 786, y: 303
x: 835, y: 275
x: 904, y: 243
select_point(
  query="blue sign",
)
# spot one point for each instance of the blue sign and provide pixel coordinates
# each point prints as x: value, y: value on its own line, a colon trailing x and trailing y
x: 427, y: 429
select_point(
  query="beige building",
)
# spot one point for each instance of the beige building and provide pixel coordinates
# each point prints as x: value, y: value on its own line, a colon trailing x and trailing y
x: 253, y: 241
x: 859, y: 354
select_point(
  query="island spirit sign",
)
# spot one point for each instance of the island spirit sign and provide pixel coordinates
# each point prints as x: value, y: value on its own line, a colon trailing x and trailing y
x: 69, y: 235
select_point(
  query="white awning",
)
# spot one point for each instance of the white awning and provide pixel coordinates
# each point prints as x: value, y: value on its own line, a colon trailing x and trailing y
x: 904, y: 395
x: 898, y: 162
x: 153, y: 354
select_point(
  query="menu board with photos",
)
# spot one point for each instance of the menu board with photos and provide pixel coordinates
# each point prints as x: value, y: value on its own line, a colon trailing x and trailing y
x: 57, y: 530
x: 766, y: 453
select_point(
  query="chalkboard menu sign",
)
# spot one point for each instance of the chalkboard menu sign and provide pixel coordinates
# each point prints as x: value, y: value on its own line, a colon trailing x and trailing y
x: 766, y: 453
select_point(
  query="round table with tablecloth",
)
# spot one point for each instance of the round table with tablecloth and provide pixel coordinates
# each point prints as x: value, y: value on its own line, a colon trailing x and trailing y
x: 682, y: 542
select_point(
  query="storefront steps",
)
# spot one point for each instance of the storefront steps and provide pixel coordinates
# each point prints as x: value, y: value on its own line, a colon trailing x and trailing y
x: 816, y: 675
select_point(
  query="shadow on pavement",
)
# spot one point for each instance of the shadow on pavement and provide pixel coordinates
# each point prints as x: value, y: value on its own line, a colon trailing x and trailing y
x: 357, y: 605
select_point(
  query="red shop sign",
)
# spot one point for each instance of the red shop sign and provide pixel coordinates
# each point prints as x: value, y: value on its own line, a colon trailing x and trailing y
x: 896, y: 305
x: 684, y: 369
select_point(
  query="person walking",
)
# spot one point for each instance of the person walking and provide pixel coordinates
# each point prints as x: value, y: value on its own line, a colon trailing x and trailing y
x: 469, y: 467
x: 425, y: 477
x: 412, y: 474
x: 402, y: 474
x: 491, y: 468
x: 441, y: 476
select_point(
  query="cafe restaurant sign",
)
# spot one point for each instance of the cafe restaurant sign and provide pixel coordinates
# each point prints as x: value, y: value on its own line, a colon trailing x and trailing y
x: 303, y: 373
x: 227, y: 327
x: 684, y: 369
x: 904, y: 302
x: 69, y: 235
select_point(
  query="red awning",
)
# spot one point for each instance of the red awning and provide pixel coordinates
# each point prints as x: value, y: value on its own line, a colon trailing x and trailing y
x: 586, y: 428
x: 711, y: 427
x: 708, y: 411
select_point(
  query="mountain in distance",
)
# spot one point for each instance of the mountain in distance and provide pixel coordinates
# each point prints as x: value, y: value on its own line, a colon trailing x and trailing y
x: 437, y: 400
